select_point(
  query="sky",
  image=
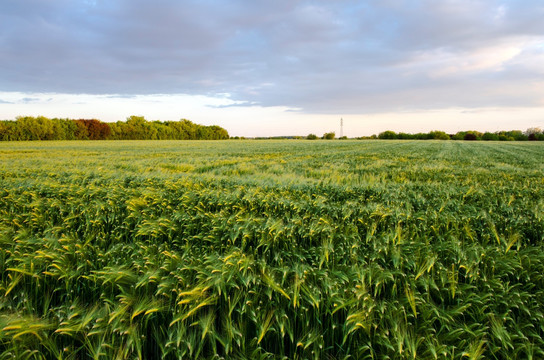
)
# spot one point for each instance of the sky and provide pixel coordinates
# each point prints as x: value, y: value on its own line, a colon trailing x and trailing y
x: 278, y: 67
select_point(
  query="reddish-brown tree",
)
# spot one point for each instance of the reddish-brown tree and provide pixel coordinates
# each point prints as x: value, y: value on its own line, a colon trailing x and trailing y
x: 92, y: 129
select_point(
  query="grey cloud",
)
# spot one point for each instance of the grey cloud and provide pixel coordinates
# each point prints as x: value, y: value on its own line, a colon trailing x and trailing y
x: 318, y: 56
x: 121, y: 96
x: 233, y: 105
x: 28, y: 100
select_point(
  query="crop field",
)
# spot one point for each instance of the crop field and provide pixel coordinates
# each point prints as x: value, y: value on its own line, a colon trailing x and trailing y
x: 271, y: 250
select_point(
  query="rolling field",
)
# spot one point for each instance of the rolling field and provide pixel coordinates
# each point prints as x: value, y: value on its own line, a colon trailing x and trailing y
x: 271, y: 250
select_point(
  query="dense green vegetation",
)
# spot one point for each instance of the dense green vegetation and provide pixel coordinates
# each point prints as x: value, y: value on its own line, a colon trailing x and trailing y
x: 276, y: 249
x: 135, y: 128
x: 532, y: 134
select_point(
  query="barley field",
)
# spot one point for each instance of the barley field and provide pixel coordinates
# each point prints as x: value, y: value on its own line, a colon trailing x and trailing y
x: 271, y: 250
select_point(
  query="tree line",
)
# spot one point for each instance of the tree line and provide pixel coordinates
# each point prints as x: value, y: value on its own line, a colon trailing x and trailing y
x: 134, y: 128
x: 530, y: 134
x: 511, y: 135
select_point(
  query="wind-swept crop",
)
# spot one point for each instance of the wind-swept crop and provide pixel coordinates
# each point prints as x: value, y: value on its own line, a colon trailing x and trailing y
x: 341, y: 250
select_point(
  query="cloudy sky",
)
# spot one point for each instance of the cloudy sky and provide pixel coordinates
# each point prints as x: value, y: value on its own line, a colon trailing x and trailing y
x: 278, y: 67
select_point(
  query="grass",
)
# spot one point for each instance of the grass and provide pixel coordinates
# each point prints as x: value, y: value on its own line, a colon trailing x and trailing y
x: 271, y: 249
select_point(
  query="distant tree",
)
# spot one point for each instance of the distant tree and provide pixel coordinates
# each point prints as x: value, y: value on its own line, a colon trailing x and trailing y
x: 218, y: 133
x: 533, y: 130
x: 311, y: 137
x: 329, y: 136
x: 518, y: 135
x: 534, y: 134
x: 387, y: 135
x: 65, y: 129
x: 439, y: 135
x: 117, y: 129
x: 470, y: 136
x: 91, y: 129
x: 404, y: 136
x: 490, y: 136
x: 185, y: 129
x: 459, y: 135
x: 503, y: 137
x: 35, y: 128
x: 203, y: 132
x: 161, y: 130
x: 135, y: 127
x: 5, y: 130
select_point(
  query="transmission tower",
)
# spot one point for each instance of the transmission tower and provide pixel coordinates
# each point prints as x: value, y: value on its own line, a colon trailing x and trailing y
x: 341, y: 127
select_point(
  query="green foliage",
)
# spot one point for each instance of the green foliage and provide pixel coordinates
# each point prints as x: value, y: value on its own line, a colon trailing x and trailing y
x: 135, y: 128
x: 534, y: 134
x: 517, y: 135
x: 438, y: 135
x: 387, y: 135
x: 271, y: 249
x: 311, y: 137
x: 490, y: 136
x: 433, y: 135
x: 471, y: 135
x: 329, y: 136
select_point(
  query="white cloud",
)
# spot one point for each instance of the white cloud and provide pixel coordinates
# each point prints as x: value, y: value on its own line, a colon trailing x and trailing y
x: 442, y: 63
